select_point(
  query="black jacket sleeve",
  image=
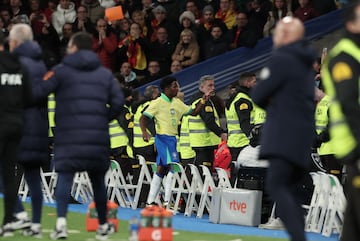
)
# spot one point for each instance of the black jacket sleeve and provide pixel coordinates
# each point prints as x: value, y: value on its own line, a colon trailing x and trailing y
x: 207, y: 115
x: 243, y: 109
x: 347, y: 89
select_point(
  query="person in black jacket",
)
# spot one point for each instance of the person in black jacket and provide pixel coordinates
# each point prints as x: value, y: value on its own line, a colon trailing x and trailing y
x: 286, y: 92
x: 15, y: 92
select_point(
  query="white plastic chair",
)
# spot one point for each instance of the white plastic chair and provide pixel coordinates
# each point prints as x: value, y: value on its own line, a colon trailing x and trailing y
x: 117, y: 186
x: 206, y: 192
x: 144, y: 178
x: 224, y: 181
x: 81, y: 189
x: 180, y: 184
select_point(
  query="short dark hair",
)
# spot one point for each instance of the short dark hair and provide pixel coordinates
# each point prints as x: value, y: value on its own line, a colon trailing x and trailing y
x: 245, y: 76
x: 349, y: 13
x: 166, y: 82
x: 82, y: 40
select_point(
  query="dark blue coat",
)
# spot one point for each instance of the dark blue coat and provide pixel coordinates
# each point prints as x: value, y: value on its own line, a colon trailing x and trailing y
x: 286, y: 91
x: 33, y: 149
x: 87, y: 97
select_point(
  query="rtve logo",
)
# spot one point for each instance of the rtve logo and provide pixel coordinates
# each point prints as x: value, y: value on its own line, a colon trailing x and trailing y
x: 238, y: 206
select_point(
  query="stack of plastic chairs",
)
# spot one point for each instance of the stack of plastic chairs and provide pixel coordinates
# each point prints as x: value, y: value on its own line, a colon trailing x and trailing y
x: 326, y: 210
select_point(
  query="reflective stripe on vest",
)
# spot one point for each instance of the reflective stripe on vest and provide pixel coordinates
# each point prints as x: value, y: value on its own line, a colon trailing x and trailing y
x: 51, y: 113
x: 236, y: 137
x: 118, y: 136
x: 321, y: 121
x: 184, y: 148
x: 343, y: 141
x: 138, y: 140
x: 200, y: 135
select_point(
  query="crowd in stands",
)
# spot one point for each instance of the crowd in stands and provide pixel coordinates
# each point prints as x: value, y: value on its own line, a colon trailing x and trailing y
x: 154, y: 36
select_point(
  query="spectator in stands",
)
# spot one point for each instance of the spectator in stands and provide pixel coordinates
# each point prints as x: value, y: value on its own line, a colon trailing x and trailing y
x: 128, y: 74
x: 95, y: 10
x: 105, y: 44
x: 5, y: 16
x: 65, y: 13
x: 33, y: 149
x: 137, y: 50
x: 121, y: 29
x: 216, y: 45
x: 147, y: 7
x: 279, y: 10
x: 138, y: 16
x: 305, y: 11
x: 2, y: 27
x: 162, y: 50
x: 227, y: 13
x: 82, y: 22
x: 258, y: 14
x: 175, y: 66
x: 208, y: 20
x: 49, y: 42
x: 17, y: 9
x: 242, y: 34
x: 192, y: 6
x: 289, y: 152
x: 153, y: 71
x: 161, y: 20
x: 204, y: 128
x: 50, y: 9
x: 107, y: 3
x: 167, y: 112
x: 187, y: 21
x: 67, y: 31
x: 36, y: 17
x: 187, y: 50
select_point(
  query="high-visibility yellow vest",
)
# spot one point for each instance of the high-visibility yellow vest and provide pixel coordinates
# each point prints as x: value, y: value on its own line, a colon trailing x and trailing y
x: 51, y: 113
x: 184, y: 146
x: 236, y: 137
x: 343, y: 141
x: 200, y: 135
x: 138, y: 140
x: 321, y: 121
x: 118, y: 135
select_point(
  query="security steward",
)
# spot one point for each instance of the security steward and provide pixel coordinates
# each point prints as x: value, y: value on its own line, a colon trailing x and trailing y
x: 140, y: 147
x: 204, y: 128
x: 341, y: 74
x: 322, y: 142
x: 121, y: 136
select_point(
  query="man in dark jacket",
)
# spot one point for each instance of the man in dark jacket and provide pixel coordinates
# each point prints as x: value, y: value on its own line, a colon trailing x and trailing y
x: 33, y: 149
x: 87, y: 98
x: 286, y: 91
x: 14, y: 93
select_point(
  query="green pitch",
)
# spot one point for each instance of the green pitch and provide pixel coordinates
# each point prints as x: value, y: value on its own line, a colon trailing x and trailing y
x: 77, y: 231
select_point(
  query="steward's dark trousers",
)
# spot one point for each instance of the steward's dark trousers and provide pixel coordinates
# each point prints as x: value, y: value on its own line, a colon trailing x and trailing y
x: 9, y: 141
